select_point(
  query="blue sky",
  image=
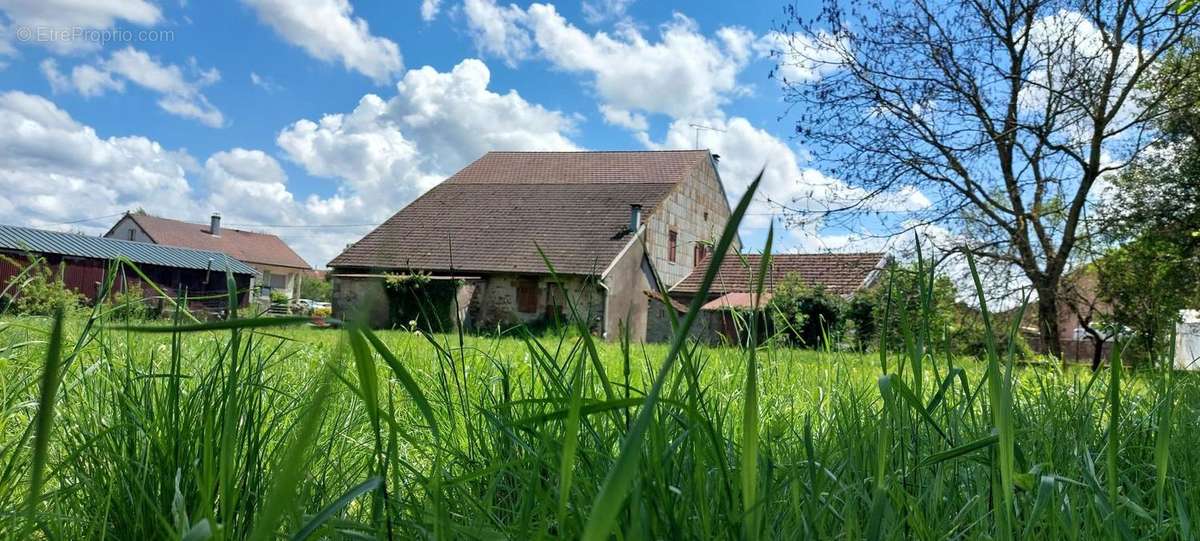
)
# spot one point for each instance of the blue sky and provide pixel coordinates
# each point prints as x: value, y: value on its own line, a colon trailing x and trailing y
x: 314, y: 119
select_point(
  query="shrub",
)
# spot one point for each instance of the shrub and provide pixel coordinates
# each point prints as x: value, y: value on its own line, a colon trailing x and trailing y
x: 42, y: 291
x: 417, y: 297
x: 130, y: 304
x: 804, y: 313
x: 279, y: 297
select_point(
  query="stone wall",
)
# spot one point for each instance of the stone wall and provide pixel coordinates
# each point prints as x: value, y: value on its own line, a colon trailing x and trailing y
x: 493, y: 301
x: 697, y: 211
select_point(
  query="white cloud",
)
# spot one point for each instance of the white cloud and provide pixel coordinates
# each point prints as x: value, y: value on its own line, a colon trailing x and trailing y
x: 53, y: 168
x: 497, y: 30
x: 683, y: 74
x: 328, y: 30
x: 179, y: 95
x: 66, y: 15
x: 84, y: 79
x: 599, y: 11
x: 239, y: 175
x: 263, y: 82
x: 798, y: 58
x: 429, y: 9
x: 625, y: 119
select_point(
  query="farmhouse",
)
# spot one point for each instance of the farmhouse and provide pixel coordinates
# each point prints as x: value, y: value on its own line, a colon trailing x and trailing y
x: 280, y: 268
x: 589, y: 212
x: 84, y: 259
x: 731, y: 290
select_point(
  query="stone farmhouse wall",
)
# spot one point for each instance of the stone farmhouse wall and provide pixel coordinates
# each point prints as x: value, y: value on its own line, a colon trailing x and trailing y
x: 697, y: 211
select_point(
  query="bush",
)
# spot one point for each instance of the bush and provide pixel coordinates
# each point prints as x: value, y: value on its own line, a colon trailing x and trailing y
x: 419, y: 298
x: 279, y: 297
x: 42, y: 291
x: 806, y: 314
x: 130, y: 304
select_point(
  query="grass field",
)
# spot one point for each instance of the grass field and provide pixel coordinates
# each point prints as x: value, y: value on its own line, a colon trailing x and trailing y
x: 292, y: 431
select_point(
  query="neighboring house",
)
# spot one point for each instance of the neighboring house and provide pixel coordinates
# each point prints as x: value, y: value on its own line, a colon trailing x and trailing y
x: 734, y: 286
x: 1083, y: 319
x: 608, y: 222
x: 84, y: 259
x: 280, y: 268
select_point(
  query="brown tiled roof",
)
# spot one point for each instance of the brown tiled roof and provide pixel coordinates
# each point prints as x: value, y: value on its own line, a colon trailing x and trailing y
x: 489, y: 216
x: 247, y: 246
x: 841, y: 274
x: 739, y: 300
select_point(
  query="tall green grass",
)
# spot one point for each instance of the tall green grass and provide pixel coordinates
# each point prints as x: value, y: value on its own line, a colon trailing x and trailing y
x: 258, y: 429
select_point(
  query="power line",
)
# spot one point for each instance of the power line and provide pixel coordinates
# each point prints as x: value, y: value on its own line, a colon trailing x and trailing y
x: 81, y: 220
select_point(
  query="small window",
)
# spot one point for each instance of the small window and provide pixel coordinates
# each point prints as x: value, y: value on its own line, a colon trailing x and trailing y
x: 706, y: 215
x: 527, y: 296
x: 698, y: 254
x: 132, y: 233
x: 672, y: 244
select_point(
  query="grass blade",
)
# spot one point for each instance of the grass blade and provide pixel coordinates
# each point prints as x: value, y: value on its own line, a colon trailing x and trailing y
x: 51, y: 379
x: 616, y: 484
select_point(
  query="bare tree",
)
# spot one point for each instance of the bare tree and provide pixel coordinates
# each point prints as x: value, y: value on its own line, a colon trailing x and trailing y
x: 1004, y: 113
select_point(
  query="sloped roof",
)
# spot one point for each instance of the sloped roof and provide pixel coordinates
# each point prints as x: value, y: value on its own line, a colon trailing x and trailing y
x: 737, y: 301
x: 248, y: 246
x: 71, y: 244
x: 841, y: 274
x: 492, y: 215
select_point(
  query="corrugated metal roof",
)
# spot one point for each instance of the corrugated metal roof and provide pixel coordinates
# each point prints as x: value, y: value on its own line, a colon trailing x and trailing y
x: 71, y: 244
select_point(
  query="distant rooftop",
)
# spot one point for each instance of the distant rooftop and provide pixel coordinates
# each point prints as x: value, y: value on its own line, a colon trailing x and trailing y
x: 22, y: 239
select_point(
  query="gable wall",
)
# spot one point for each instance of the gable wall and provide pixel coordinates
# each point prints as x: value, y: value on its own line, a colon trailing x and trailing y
x: 683, y: 211
x: 124, y: 228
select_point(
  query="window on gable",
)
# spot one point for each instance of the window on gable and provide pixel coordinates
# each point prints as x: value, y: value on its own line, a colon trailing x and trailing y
x: 527, y: 296
x: 672, y: 244
x: 698, y: 253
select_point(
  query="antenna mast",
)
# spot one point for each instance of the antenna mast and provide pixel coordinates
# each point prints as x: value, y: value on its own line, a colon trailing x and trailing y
x: 699, y: 127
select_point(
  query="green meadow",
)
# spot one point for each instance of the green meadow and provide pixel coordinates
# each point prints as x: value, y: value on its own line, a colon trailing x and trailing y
x: 290, y: 431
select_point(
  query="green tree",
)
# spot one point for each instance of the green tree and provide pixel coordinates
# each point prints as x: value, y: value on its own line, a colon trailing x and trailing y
x: 1147, y: 282
x: 317, y: 289
x: 1154, y: 271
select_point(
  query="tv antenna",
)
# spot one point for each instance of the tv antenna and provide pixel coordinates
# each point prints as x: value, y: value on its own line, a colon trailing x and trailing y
x: 699, y: 127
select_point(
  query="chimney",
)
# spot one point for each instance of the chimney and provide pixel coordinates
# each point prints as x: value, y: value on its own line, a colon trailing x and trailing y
x: 214, y: 227
x: 635, y: 217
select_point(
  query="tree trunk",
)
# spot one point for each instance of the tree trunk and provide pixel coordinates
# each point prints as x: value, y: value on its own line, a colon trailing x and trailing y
x: 1047, y: 306
x: 1097, y: 354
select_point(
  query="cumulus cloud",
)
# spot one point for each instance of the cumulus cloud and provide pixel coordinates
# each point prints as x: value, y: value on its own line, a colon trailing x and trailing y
x: 65, y: 15
x: 54, y: 166
x: 436, y: 123
x: 498, y: 30
x: 179, y: 94
x: 328, y: 30
x: 683, y: 74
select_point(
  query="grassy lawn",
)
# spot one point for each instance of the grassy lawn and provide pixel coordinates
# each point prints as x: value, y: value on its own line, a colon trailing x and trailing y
x: 294, y: 431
